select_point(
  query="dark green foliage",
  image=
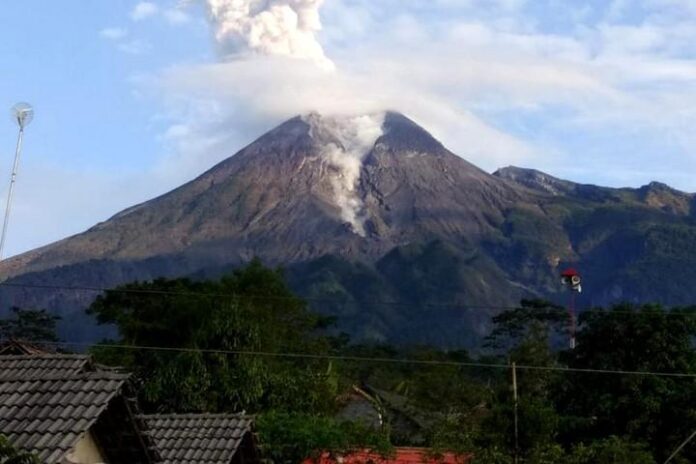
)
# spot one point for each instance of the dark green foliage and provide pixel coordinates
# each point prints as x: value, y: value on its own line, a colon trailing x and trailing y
x: 612, y: 450
x: 571, y: 414
x: 249, y: 311
x: 292, y: 438
x: 413, y: 295
x: 32, y: 325
x: 11, y: 455
x: 534, y: 319
x: 526, y: 332
x: 423, y: 396
x: 655, y: 410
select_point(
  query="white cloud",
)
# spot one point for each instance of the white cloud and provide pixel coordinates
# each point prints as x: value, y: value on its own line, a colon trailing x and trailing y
x: 276, y: 27
x: 176, y: 16
x: 134, y: 47
x: 113, y: 33
x: 144, y: 10
x: 469, y: 77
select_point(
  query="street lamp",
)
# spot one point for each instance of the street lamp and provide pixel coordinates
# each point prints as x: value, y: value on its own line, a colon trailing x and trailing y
x: 22, y: 114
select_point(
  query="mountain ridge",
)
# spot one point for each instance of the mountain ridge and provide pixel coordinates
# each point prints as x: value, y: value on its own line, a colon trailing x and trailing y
x: 363, y: 209
x: 288, y: 148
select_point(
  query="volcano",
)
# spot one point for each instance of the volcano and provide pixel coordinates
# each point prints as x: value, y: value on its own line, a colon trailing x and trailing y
x: 402, y: 240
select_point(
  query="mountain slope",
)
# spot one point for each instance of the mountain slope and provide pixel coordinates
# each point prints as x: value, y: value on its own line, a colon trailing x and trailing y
x: 299, y: 192
x: 385, y: 228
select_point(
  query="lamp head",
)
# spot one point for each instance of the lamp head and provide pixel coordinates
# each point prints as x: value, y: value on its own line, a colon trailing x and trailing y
x: 22, y: 113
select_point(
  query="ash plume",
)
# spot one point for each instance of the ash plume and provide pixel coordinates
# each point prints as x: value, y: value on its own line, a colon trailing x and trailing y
x: 346, y: 141
x: 269, y: 27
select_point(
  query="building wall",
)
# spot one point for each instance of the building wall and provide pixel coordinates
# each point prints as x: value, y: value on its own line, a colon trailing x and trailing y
x: 85, y: 452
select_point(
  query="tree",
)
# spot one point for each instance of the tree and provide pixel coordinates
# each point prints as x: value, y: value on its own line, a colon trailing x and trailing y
x: 650, y: 409
x: 292, y: 438
x: 525, y: 333
x: 612, y: 450
x: 11, y: 455
x: 33, y: 325
x: 223, y: 340
x: 534, y: 318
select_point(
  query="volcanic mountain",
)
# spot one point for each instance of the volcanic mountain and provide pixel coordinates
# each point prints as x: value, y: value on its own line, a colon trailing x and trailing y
x: 397, y: 236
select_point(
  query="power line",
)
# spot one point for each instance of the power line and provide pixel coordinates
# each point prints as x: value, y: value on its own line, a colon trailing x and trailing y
x: 373, y: 359
x: 230, y: 295
x: 136, y: 291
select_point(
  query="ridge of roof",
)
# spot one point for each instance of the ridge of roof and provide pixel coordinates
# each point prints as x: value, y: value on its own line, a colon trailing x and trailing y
x: 22, y: 346
x: 45, y: 356
x: 193, y: 415
x: 96, y: 375
x: 207, y: 438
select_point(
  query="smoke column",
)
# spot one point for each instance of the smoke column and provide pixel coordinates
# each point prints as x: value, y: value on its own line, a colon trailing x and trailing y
x: 269, y: 27
x: 345, y: 142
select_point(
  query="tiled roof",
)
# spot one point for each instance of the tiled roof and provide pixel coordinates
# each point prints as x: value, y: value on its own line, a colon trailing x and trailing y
x: 28, y: 367
x: 400, y: 455
x: 48, y: 402
x: 15, y: 346
x: 197, y: 438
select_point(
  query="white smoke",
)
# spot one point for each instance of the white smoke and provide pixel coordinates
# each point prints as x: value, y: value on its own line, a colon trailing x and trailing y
x: 269, y: 27
x: 346, y: 141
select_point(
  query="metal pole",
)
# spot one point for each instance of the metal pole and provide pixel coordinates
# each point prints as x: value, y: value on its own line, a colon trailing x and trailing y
x: 676, y: 451
x: 571, y: 315
x: 514, y: 399
x: 13, y: 179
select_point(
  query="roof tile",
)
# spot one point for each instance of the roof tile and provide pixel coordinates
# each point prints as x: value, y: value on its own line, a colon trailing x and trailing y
x: 197, y: 438
x: 52, y: 400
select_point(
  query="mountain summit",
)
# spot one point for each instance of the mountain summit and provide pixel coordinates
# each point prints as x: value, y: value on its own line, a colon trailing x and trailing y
x: 315, y: 185
x: 375, y: 217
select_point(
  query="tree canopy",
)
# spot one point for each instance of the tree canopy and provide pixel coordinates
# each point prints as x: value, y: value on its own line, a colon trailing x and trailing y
x: 11, y: 455
x: 222, y: 343
x: 222, y: 346
x: 32, y: 325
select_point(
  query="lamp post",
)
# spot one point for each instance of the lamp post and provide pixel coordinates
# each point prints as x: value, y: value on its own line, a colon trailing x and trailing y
x: 22, y: 114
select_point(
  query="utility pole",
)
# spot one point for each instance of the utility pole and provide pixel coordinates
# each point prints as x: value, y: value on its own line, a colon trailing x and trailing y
x: 22, y: 114
x: 571, y: 279
x: 571, y: 315
x: 516, y: 422
x: 679, y: 448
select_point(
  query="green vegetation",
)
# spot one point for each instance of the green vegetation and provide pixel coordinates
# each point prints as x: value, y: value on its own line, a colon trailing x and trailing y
x: 237, y: 331
x: 11, y: 455
x: 292, y: 438
x: 262, y: 317
x: 32, y: 325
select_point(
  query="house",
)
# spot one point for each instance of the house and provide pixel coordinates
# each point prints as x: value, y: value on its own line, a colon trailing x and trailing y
x: 378, y: 409
x: 400, y: 455
x: 202, y: 438
x: 67, y: 410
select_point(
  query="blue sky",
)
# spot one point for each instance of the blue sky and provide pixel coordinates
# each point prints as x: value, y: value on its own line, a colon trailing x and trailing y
x: 133, y: 98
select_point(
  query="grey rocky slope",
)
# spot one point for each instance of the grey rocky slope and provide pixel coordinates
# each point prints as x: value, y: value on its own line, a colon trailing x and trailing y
x: 379, y: 219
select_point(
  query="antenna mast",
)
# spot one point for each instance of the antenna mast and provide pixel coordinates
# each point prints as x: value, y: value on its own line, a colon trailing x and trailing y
x: 571, y: 279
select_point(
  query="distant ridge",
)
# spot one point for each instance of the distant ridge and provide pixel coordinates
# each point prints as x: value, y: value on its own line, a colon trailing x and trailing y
x: 363, y: 209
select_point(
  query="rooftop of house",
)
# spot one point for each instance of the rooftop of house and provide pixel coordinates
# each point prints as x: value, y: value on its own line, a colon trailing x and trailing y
x: 201, y: 438
x: 48, y: 402
x: 400, y: 455
x: 14, y: 346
